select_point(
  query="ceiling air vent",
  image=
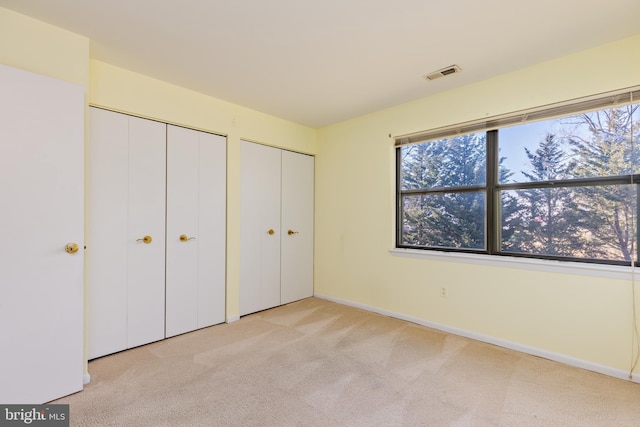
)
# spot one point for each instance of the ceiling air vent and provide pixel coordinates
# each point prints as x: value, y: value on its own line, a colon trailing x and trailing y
x: 443, y: 72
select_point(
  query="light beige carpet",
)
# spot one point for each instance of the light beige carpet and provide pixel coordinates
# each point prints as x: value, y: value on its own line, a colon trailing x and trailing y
x: 318, y: 363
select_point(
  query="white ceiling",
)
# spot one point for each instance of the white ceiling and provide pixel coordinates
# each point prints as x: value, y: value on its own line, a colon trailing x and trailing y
x: 318, y: 62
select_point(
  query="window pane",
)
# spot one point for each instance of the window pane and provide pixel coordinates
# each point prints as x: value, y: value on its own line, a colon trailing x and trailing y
x: 449, y: 220
x: 450, y: 162
x: 581, y: 222
x: 595, y: 144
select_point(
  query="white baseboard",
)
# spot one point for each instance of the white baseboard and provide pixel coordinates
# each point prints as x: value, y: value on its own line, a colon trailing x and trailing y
x: 558, y: 357
x: 232, y: 319
x: 86, y: 378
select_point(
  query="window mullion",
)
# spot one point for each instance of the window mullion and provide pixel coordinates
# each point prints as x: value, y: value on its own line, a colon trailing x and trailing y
x: 492, y: 225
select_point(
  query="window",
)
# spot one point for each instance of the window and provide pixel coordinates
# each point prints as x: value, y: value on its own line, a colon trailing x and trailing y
x: 443, y: 191
x: 563, y: 188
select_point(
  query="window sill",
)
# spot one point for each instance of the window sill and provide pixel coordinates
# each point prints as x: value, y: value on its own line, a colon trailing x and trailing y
x: 566, y: 267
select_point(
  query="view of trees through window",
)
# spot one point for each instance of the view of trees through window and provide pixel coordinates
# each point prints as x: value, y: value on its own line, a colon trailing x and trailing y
x: 563, y: 189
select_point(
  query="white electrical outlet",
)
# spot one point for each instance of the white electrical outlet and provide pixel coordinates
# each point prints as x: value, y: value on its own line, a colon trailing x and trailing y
x: 443, y: 292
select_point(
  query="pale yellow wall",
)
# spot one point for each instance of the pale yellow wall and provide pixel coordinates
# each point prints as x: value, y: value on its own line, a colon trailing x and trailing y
x: 44, y: 49
x: 121, y: 90
x: 588, y: 318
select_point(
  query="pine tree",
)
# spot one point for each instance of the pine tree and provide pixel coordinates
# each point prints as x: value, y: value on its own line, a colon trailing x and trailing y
x: 609, y: 148
x: 548, y: 219
x: 450, y: 219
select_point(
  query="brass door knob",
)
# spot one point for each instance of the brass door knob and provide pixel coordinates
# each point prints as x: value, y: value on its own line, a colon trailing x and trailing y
x: 145, y: 239
x: 185, y: 238
x: 71, y: 248
x: 271, y: 231
x: 291, y: 232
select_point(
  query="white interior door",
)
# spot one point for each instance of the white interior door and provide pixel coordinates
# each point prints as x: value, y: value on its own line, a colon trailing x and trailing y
x: 260, y: 183
x: 297, y: 226
x: 196, y: 229
x: 146, y: 205
x: 42, y: 209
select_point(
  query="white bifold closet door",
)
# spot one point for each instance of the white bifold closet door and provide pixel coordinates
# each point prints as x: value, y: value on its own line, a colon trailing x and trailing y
x: 196, y: 212
x: 125, y: 232
x: 42, y: 211
x: 260, y: 231
x: 296, y: 250
x: 276, y: 230
x: 156, y: 231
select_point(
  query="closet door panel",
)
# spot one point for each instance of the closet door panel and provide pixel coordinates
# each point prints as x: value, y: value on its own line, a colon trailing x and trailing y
x: 196, y: 207
x: 211, y: 304
x: 260, y: 227
x: 146, y: 202
x: 297, y: 226
x: 182, y: 219
x: 107, y: 178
